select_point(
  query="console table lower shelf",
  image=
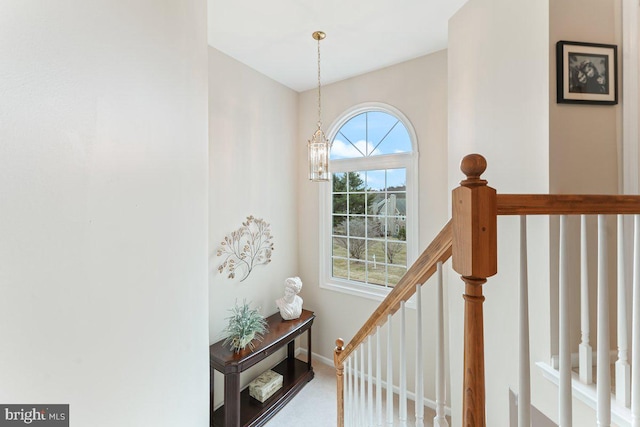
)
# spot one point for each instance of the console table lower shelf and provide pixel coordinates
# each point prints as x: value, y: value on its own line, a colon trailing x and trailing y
x: 242, y: 410
x: 253, y: 413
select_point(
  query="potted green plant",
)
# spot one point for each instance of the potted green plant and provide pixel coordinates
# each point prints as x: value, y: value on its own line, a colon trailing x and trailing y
x: 244, y: 325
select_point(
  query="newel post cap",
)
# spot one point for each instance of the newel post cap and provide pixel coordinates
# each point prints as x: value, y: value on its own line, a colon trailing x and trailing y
x: 473, y: 165
x: 337, y: 352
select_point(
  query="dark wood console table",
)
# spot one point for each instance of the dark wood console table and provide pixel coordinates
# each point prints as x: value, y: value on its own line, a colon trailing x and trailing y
x: 239, y: 408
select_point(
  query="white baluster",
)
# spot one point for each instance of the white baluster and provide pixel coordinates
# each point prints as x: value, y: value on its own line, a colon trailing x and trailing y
x: 363, y: 405
x: 635, y: 330
x: 349, y: 399
x: 402, y: 410
x: 354, y: 405
x: 419, y: 406
x: 524, y: 381
x: 379, y: 378
x: 623, y: 370
x: 439, y: 420
x: 369, y: 383
x: 584, y: 350
x: 565, y: 412
x: 354, y: 389
x: 603, y: 375
x: 355, y: 413
x: 389, y: 373
x: 347, y: 392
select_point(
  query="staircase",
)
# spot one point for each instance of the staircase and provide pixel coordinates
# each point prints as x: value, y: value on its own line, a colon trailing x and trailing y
x: 470, y: 240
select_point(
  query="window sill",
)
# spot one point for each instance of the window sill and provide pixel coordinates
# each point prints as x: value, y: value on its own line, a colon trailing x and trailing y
x: 372, y: 292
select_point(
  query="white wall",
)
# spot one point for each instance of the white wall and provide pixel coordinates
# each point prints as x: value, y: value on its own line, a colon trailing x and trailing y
x: 499, y: 107
x: 253, y: 171
x: 418, y: 89
x: 103, y: 225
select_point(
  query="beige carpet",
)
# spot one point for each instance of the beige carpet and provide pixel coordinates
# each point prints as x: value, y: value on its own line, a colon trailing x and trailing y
x: 315, y: 404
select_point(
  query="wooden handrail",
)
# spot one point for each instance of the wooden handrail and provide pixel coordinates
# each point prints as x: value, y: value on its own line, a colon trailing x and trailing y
x: 425, y: 266
x: 567, y: 204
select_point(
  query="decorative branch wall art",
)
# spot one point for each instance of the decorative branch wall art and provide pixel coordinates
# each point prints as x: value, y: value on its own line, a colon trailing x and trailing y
x: 246, y: 248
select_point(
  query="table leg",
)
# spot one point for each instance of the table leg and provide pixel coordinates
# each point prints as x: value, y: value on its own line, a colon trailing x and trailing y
x: 232, y: 399
x: 291, y: 351
x: 309, y: 349
x: 211, y: 390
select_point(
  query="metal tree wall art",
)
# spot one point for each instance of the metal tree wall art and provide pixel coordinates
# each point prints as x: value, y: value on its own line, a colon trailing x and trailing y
x: 245, y: 248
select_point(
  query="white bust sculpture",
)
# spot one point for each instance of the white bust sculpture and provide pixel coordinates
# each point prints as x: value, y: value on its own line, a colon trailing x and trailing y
x: 290, y: 305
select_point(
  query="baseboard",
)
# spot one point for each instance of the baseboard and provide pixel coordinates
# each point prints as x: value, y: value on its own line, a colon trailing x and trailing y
x: 396, y: 390
x: 316, y: 356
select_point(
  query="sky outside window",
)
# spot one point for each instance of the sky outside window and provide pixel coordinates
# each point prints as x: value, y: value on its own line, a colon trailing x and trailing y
x: 372, y: 133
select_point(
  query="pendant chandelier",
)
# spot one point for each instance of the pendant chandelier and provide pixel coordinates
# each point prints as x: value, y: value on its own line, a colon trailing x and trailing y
x: 319, y: 146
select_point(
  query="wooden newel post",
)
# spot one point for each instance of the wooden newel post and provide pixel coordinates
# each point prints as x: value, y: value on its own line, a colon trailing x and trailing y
x: 339, y: 379
x: 474, y: 258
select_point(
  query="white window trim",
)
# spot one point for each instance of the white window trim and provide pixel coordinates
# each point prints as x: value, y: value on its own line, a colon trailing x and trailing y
x: 405, y: 160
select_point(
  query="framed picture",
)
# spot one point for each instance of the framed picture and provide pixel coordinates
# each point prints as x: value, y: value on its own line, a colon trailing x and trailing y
x: 587, y: 73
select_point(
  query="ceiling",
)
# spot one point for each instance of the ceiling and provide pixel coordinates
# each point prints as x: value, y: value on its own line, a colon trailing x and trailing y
x: 274, y: 36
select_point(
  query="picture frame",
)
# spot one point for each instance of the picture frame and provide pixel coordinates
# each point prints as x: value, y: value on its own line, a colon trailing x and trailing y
x: 586, y: 73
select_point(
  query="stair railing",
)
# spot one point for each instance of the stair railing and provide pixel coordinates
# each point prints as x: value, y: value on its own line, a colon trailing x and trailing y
x: 566, y: 206
x: 470, y: 238
x: 424, y: 267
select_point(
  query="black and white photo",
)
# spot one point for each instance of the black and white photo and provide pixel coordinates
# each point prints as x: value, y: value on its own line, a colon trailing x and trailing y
x: 586, y: 73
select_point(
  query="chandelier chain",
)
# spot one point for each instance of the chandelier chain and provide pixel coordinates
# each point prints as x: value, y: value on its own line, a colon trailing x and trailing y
x: 319, y: 91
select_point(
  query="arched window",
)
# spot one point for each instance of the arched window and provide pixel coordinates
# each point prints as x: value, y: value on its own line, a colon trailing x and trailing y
x: 369, y: 220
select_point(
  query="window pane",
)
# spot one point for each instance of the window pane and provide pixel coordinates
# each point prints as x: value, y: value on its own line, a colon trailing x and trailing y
x: 397, y: 179
x: 376, y: 273
x: 357, y: 227
x: 342, y: 148
x: 376, y: 180
x: 356, y: 181
x: 379, y: 205
x: 357, y: 271
x: 395, y: 274
x: 357, y: 248
x: 357, y: 203
x: 355, y: 129
x: 379, y: 126
x: 339, y: 182
x: 376, y: 252
x: 396, y: 252
x: 350, y: 140
x: 375, y: 227
x: 340, y: 269
x: 340, y: 247
x: 340, y: 225
x: 397, y: 141
x: 339, y: 203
